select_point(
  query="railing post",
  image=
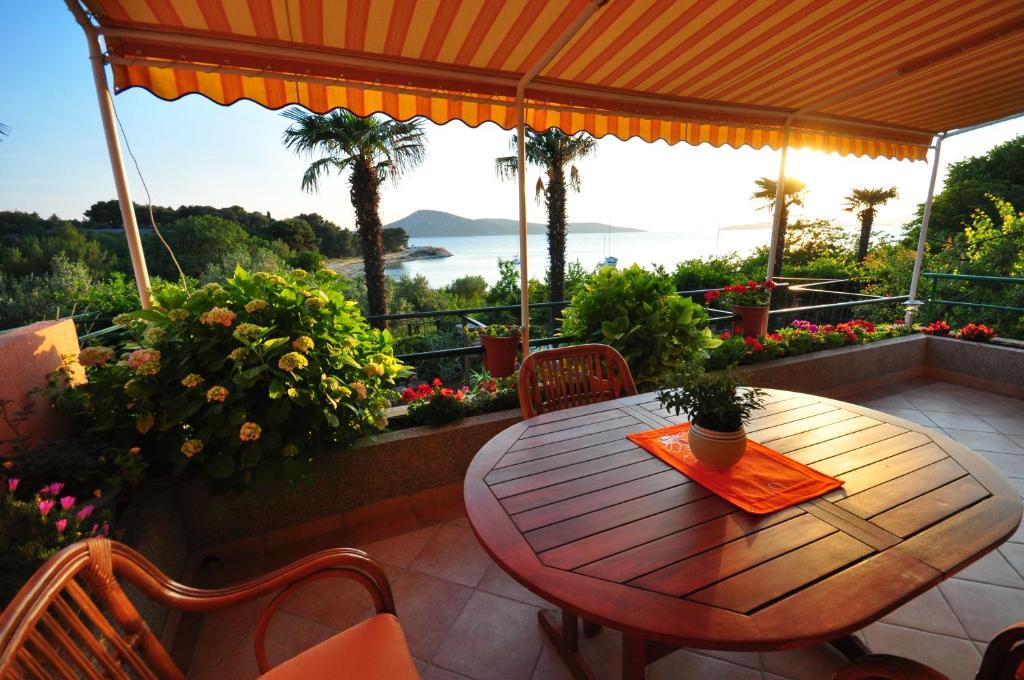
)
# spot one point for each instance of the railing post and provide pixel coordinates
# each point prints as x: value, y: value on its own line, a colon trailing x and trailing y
x: 933, y: 295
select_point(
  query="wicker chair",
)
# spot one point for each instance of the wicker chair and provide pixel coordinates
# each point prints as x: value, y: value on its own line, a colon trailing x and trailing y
x: 1003, y: 660
x: 74, y: 620
x: 554, y: 379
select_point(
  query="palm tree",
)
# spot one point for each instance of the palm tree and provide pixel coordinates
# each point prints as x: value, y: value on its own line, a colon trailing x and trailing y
x: 372, y: 150
x: 865, y: 203
x: 792, y: 194
x: 552, y: 151
x: 4, y: 130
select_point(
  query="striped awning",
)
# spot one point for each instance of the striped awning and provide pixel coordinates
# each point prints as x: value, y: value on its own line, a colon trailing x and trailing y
x: 863, y: 77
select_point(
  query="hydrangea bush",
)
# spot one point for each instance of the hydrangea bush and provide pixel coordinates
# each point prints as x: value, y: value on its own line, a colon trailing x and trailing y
x: 249, y: 379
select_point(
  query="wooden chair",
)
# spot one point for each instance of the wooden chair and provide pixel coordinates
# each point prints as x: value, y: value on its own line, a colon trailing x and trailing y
x: 74, y: 620
x: 1003, y: 660
x: 554, y: 379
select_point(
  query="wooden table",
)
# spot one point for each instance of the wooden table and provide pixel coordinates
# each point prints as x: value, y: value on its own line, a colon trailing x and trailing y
x: 589, y: 521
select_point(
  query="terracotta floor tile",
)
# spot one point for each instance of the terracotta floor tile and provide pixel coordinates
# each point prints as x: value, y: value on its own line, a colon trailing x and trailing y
x: 1006, y: 424
x: 749, y: 659
x: 223, y: 632
x: 960, y: 421
x: 380, y: 528
x: 402, y: 549
x: 441, y: 504
x: 497, y: 582
x: 288, y: 635
x: 550, y: 666
x: 337, y: 603
x: 812, y: 663
x: 492, y: 638
x: 930, y: 613
x: 911, y: 414
x: 993, y: 568
x: 453, y: 554
x: 985, y: 441
x: 217, y: 571
x: 432, y: 672
x: 685, y: 664
x: 983, y: 609
x: 956, y: 658
x: 427, y: 608
x: 284, y: 554
x: 237, y: 664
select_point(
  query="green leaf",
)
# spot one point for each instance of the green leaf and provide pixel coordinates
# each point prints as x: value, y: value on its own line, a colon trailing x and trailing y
x: 251, y: 455
x: 150, y: 315
x: 220, y: 466
x: 331, y: 418
x: 273, y: 343
x: 278, y: 412
x: 276, y: 389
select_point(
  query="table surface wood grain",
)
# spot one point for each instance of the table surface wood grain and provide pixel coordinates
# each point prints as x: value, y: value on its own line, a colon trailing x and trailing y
x: 586, y: 519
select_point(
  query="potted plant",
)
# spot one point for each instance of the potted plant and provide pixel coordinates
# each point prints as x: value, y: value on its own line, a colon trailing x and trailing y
x: 501, y: 347
x: 749, y: 303
x: 718, y: 410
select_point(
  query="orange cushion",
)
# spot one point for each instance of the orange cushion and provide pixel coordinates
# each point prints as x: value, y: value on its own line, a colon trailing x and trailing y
x: 374, y: 649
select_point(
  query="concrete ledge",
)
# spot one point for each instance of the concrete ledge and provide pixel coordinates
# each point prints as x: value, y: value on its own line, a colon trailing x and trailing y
x: 993, y: 368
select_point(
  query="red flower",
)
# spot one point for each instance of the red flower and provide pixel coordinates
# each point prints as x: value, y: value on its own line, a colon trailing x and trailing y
x: 408, y: 394
x: 753, y: 285
x: 446, y: 392
x: 712, y: 295
x: 769, y: 284
x: 753, y: 344
x: 437, y: 382
x: 726, y: 335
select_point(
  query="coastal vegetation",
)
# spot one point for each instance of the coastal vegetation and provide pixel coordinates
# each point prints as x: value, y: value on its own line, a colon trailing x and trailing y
x: 792, y: 196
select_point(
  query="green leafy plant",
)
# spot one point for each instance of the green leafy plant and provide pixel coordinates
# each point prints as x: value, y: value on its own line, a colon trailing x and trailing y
x: 495, y: 330
x: 638, y: 313
x: 247, y: 380
x: 489, y: 394
x: 713, y: 400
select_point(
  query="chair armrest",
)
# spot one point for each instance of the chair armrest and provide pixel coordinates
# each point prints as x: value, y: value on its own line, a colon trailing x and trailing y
x: 886, y: 667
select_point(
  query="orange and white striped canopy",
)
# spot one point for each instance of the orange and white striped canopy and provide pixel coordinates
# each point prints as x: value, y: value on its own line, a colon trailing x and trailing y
x: 862, y: 77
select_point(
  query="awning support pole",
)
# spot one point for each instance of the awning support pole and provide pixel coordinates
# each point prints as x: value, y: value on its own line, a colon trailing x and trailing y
x: 780, y: 195
x: 124, y: 198
x: 524, y: 281
x: 922, y: 239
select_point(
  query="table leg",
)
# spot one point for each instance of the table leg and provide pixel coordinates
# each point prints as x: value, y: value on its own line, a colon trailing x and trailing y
x: 565, y: 638
x: 850, y: 646
x: 634, y: 657
x: 590, y: 629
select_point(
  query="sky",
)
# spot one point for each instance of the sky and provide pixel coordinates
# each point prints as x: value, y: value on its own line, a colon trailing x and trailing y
x: 193, y: 151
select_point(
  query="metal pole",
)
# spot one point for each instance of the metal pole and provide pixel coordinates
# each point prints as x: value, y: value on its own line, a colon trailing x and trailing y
x: 779, y: 197
x: 922, y: 238
x: 124, y: 198
x: 524, y: 281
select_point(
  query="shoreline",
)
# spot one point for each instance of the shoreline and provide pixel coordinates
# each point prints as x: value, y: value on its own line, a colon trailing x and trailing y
x: 353, y: 266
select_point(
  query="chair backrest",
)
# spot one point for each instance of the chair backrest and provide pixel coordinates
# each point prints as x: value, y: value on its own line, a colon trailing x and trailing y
x: 554, y: 379
x: 73, y: 619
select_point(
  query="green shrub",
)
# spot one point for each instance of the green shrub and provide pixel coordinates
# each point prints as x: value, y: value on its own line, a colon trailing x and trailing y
x: 249, y: 380
x: 637, y: 312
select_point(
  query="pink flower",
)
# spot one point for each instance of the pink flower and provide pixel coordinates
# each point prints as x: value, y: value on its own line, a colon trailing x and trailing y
x: 135, y: 450
x: 45, y: 507
x: 84, y: 513
x: 8, y: 464
x: 106, y: 528
x: 52, y: 489
x: 95, y: 528
x: 12, y: 484
x: 67, y: 502
x: 61, y: 525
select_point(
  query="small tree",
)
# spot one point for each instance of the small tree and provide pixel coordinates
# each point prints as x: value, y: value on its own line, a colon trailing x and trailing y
x: 865, y: 202
x: 792, y: 194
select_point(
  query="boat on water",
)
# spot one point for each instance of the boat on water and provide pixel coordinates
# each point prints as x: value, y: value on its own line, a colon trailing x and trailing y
x: 609, y: 261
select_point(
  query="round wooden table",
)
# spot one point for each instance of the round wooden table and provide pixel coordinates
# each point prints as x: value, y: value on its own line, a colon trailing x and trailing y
x: 591, y: 522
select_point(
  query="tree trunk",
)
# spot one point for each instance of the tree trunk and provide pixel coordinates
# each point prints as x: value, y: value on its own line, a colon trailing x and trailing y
x: 556, y: 232
x: 867, y: 219
x: 780, y: 242
x: 365, y: 196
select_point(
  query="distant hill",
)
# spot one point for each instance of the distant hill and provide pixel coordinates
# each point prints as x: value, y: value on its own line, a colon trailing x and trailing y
x: 427, y: 223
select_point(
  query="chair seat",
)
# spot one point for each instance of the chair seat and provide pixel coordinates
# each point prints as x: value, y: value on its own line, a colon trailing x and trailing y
x: 374, y: 649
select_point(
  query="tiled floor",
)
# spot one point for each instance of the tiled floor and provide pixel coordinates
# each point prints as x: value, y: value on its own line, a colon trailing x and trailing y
x: 465, y: 618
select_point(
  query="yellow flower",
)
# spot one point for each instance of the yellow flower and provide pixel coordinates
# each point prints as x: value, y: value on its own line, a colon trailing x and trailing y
x: 381, y: 421
x: 177, y: 314
x: 303, y: 344
x: 290, y: 451
x: 292, y: 361
x: 250, y: 432
x: 239, y: 354
x: 217, y: 393
x: 249, y: 331
x: 154, y: 334
x: 300, y: 274
x: 360, y: 390
x: 94, y: 356
x: 217, y: 315
x: 192, y: 380
x: 316, y: 302
x: 255, y: 305
x: 144, y: 422
x: 372, y: 370
x: 192, y: 447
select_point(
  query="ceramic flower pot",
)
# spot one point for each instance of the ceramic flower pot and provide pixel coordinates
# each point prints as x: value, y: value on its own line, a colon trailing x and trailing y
x: 500, y: 355
x: 749, y: 321
x: 717, y: 449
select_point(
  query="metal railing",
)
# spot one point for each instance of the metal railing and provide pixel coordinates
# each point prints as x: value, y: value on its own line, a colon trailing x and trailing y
x: 935, y: 301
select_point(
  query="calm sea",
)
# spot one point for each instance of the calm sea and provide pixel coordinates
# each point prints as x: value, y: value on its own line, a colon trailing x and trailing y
x: 478, y: 255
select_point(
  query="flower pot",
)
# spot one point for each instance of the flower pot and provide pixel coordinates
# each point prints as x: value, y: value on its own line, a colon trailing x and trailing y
x: 500, y: 355
x: 750, y: 321
x: 716, y: 449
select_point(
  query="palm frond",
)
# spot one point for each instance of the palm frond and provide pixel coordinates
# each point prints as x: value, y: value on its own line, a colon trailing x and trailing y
x: 574, y: 179
x: 4, y: 130
x: 538, y: 191
x: 506, y: 167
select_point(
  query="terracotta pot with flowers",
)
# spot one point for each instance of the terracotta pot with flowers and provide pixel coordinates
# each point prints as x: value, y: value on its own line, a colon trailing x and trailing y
x: 749, y: 303
x: 501, y: 347
x: 718, y: 410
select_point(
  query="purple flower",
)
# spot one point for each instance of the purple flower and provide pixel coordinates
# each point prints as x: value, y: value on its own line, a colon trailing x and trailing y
x: 45, y: 507
x: 61, y: 525
x: 12, y: 484
x: 84, y: 513
x: 67, y: 502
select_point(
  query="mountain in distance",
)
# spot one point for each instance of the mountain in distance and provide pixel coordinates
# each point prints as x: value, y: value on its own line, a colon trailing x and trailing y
x: 747, y: 227
x: 428, y: 223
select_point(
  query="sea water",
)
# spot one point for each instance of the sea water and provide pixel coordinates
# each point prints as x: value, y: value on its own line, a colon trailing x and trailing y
x: 478, y: 255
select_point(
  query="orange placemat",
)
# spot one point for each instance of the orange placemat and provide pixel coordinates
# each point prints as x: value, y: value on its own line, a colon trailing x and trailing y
x: 762, y: 481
